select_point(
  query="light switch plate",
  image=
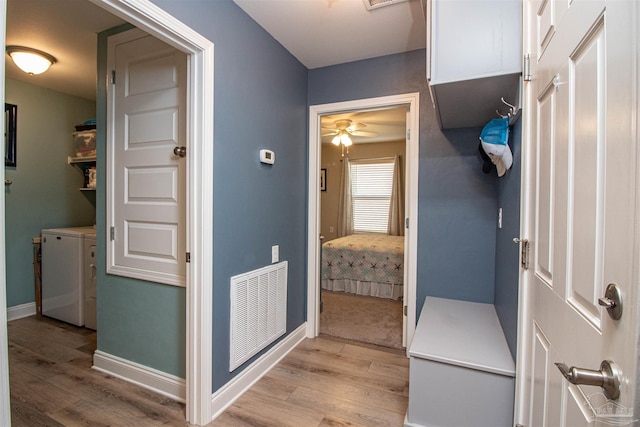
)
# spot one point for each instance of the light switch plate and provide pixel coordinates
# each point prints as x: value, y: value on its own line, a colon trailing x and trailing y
x: 275, y: 253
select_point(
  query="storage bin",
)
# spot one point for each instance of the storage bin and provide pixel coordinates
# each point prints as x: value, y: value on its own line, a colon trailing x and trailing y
x: 461, y: 372
x: 85, y: 143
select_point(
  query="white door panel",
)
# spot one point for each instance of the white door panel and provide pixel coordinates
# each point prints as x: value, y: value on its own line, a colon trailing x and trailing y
x: 580, y: 190
x: 148, y: 180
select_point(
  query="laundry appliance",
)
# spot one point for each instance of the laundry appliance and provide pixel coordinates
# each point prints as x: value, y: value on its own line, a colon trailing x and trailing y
x: 69, y: 275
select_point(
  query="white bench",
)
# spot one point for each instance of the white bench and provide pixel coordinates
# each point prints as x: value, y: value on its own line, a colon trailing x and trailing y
x: 461, y: 371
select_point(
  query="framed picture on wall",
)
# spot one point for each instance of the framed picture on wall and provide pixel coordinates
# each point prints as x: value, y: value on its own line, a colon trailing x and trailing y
x: 323, y: 180
x: 10, y: 127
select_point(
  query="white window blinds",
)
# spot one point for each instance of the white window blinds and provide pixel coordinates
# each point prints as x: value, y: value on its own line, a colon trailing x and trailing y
x: 371, y: 183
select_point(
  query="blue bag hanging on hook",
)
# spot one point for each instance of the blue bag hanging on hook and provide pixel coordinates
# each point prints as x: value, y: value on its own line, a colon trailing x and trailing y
x: 495, y: 142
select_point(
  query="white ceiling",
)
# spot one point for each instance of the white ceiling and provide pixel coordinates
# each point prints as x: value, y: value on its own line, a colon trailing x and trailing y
x: 317, y: 32
x: 66, y: 29
x: 328, y: 32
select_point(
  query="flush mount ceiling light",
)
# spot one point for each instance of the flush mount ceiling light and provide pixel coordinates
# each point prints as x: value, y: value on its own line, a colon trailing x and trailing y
x: 31, y: 61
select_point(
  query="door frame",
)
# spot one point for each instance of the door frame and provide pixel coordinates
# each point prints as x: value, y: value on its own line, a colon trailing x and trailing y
x: 199, y: 201
x: 155, y: 21
x: 412, y: 100
x: 5, y: 407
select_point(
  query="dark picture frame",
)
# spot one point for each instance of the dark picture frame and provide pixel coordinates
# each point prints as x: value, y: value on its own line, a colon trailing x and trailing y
x: 10, y: 129
x: 323, y: 180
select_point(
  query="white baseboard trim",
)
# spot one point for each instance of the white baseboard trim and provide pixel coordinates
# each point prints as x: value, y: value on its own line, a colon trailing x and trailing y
x: 20, y: 311
x: 144, y: 376
x: 235, y: 388
x: 408, y: 424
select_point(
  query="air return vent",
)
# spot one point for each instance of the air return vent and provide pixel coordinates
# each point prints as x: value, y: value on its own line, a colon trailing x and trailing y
x: 375, y: 4
x: 258, y: 311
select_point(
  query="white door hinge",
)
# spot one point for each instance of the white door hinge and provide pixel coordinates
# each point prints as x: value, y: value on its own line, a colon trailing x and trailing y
x: 406, y: 223
x: 112, y: 232
x: 404, y: 310
x: 526, y: 68
x: 113, y: 77
x: 408, y: 133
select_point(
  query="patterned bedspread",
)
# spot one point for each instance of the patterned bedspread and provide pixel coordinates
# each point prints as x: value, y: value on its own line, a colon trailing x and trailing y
x: 365, y: 257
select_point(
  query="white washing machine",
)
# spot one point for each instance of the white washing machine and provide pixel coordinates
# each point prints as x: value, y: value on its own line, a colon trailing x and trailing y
x: 69, y: 275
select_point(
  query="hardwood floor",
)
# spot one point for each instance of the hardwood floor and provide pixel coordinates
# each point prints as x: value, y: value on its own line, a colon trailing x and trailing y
x: 323, y: 382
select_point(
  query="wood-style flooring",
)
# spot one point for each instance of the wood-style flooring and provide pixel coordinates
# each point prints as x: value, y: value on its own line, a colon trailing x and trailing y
x: 323, y: 382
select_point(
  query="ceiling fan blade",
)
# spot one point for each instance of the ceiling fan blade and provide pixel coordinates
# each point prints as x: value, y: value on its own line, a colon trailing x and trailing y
x: 362, y: 133
x: 330, y: 133
x: 356, y: 126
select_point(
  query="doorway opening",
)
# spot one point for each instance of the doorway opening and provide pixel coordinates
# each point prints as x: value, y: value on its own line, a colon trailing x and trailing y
x: 362, y: 225
x: 410, y: 103
x: 145, y: 15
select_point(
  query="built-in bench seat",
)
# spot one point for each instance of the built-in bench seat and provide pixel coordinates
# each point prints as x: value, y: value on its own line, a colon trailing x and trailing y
x: 461, y: 370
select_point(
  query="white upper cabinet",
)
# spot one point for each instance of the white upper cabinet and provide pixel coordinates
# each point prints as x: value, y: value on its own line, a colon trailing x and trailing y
x: 473, y: 58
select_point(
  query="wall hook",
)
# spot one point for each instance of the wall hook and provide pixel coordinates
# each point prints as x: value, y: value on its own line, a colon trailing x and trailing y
x: 512, y: 108
x: 513, y: 113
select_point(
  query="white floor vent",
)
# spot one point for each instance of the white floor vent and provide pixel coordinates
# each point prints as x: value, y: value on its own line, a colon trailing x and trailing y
x: 258, y: 311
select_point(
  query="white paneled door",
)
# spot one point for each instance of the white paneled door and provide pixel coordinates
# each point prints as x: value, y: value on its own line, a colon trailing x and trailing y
x: 146, y: 159
x: 580, y: 190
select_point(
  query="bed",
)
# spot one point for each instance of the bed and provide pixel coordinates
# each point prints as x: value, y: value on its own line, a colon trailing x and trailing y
x: 364, y: 264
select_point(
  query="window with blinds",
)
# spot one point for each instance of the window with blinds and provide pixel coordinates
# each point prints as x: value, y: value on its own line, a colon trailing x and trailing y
x: 371, y: 183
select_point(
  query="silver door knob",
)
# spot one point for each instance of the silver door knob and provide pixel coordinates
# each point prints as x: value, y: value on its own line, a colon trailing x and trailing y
x: 608, y: 377
x: 180, y: 151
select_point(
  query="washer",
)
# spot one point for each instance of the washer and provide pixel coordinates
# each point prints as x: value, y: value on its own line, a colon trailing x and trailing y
x: 66, y: 256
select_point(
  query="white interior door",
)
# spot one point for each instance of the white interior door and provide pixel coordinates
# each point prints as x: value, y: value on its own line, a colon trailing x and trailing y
x: 146, y: 169
x: 580, y: 191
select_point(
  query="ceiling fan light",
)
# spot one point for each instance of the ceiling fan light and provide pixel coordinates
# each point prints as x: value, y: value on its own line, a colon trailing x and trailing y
x: 31, y: 61
x: 336, y: 140
x: 346, y: 141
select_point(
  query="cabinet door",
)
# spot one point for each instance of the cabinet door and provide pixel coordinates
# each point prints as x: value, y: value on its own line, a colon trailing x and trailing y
x: 471, y: 39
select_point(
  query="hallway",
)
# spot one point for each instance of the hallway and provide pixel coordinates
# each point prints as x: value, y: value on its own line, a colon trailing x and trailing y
x: 325, y: 381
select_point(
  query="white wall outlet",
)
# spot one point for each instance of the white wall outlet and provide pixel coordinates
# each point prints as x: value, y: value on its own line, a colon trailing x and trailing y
x: 275, y: 253
x: 331, y: 229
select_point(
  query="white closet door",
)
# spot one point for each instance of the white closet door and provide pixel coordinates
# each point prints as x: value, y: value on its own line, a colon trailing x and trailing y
x: 146, y: 178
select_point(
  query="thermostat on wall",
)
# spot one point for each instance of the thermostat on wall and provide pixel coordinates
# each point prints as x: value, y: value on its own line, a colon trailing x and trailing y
x: 267, y: 156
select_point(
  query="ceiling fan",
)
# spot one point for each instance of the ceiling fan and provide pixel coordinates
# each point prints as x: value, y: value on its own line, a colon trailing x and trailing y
x: 343, y: 129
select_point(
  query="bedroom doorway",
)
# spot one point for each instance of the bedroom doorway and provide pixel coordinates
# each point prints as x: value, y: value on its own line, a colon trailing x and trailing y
x: 384, y: 134
x: 362, y: 256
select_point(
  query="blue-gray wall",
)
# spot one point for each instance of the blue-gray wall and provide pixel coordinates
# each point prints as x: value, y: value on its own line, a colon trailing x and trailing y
x: 260, y: 102
x: 507, y: 252
x: 457, y: 202
x: 44, y: 193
